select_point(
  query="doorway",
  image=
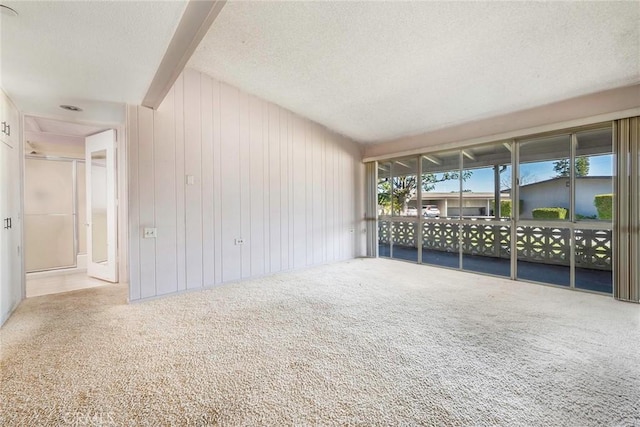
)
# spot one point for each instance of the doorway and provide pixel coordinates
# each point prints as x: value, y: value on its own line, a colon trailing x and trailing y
x: 70, y: 224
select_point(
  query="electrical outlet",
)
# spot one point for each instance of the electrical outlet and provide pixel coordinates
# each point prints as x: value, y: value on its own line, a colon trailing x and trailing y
x: 150, y: 233
x: 239, y: 241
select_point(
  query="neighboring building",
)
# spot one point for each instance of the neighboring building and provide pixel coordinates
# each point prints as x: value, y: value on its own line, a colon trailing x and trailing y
x: 555, y: 192
x: 473, y: 204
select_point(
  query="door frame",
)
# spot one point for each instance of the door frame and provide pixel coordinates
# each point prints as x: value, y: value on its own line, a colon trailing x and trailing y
x: 122, y: 194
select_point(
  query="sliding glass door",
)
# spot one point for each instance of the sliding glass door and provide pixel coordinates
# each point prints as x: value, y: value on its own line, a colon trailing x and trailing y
x: 564, y: 232
x: 593, y: 233
x: 404, y: 222
x: 543, y: 237
x: 440, y: 211
x: 486, y: 209
x: 50, y: 214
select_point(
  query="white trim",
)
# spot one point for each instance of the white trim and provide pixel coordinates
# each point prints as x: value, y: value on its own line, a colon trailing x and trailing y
x: 122, y: 188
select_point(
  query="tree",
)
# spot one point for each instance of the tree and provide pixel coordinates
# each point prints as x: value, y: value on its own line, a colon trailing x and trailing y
x: 525, y: 178
x: 406, y: 187
x: 562, y: 168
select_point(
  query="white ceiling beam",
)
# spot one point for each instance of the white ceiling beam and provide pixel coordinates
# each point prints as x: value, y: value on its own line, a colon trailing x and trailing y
x: 194, y: 24
x: 433, y: 159
x: 507, y: 145
x: 468, y: 154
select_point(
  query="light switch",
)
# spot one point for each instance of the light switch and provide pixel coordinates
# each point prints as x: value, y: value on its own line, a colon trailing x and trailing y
x: 191, y: 180
x: 150, y: 233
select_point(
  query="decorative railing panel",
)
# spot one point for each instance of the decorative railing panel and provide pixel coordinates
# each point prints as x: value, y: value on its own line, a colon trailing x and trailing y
x: 544, y: 244
x: 547, y: 245
x: 404, y: 233
x: 593, y: 249
x: 440, y: 236
x: 486, y: 240
x: 384, y: 232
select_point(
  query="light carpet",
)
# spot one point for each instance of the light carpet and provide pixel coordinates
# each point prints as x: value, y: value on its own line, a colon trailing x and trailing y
x: 363, y: 342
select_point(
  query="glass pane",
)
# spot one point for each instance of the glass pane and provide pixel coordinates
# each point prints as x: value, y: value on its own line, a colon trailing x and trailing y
x: 441, y: 185
x: 543, y: 254
x: 486, y: 176
x: 545, y: 191
x: 594, y: 176
x: 440, y: 244
x: 48, y: 242
x: 486, y: 248
x: 48, y: 208
x: 405, y: 189
x: 405, y: 244
x: 48, y: 187
x: 384, y: 238
x: 441, y: 202
x: 384, y: 209
x: 593, y: 260
x: 487, y: 179
x: 99, y: 206
x: 81, y: 179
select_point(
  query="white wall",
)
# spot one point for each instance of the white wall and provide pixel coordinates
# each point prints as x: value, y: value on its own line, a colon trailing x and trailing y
x: 554, y: 193
x: 586, y: 190
x: 287, y: 186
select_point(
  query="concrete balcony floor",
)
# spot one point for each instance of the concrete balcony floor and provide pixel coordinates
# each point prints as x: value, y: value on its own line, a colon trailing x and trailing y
x: 586, y: 279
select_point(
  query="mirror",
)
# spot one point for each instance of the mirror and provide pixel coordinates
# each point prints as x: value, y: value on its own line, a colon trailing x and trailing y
x: 99, y: 206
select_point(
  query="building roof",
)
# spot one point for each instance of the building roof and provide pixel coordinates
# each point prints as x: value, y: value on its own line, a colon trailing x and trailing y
x: 560, y: 178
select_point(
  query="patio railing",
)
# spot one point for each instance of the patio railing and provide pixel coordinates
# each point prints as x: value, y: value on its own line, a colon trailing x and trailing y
x: 547, y: 245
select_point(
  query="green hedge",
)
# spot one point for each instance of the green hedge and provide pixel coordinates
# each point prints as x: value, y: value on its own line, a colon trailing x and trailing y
x: 604, y: 205
x: 505, y: 207
x: 549, y: 213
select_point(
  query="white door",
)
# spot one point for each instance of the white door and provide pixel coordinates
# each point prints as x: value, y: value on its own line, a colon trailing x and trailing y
x: 101, y: 206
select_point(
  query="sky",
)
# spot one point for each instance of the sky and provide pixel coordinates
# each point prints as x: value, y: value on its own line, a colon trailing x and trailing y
x: 482, y: 179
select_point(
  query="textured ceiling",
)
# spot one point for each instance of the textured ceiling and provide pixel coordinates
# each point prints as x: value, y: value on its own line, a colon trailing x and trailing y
x: 57, y: 127
x: 94, y: 54
x: 57, y: 138
x: 380, y: 70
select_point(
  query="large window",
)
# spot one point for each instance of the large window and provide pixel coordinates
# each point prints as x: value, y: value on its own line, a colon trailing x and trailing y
x: 537, y: 209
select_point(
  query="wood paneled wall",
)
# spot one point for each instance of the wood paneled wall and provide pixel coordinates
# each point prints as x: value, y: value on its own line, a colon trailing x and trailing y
x: 291, y: 189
